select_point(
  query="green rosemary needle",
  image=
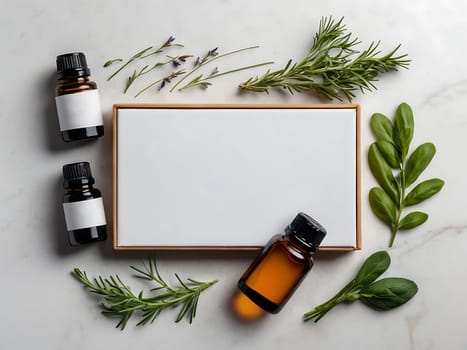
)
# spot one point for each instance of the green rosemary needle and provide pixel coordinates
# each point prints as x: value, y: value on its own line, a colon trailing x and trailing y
x: 121, y: 302
x: 333, y: 67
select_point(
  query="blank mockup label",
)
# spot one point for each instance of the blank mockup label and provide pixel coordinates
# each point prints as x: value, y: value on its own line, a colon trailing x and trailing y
x: 83, y: 214
x: 80, y: 110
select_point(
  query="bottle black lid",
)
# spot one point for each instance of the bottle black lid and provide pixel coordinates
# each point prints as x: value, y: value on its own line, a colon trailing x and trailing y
x: 307, y: 231
x: 77, y: 173
x: 72, y: 64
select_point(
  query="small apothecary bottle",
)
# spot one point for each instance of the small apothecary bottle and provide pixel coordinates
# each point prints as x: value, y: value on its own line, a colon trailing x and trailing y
x: 278, y: 270
x: 83, y: 205
x: 77, y: 99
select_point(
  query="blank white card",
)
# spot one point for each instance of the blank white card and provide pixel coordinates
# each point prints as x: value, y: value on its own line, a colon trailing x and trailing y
x: 233, y: 177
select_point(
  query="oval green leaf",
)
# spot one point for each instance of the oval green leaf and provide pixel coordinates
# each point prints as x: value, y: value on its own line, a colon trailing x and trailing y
x: 418, y: 161
x: 404, y: 127
x: 382, y: 127
x: 413, y: 219
x: 389, y: 153
x: 389, y: 293
x: 382, y: 205
x: 423, y: 190
x: 373, y: 267
x: 382, y: 172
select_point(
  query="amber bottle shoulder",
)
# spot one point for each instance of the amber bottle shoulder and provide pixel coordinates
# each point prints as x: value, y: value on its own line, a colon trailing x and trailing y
x: 74, y: 85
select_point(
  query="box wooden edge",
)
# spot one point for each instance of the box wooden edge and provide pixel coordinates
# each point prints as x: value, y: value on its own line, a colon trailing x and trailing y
x: 114, y: 178
x: 358, y: 180
x: 220, y: 248
x: 118, y: 106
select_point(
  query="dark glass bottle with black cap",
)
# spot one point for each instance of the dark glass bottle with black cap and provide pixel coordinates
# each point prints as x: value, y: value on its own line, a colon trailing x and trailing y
x: 282, y: 265
x: 83, y: 205
x: 77, y: 99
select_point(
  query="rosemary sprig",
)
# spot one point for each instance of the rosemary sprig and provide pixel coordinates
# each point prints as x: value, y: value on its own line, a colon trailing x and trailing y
x: 330, y: 68
x: 140, y: 55
x: 120, y: 301
x: 211, y: 56
x: 203, y: 82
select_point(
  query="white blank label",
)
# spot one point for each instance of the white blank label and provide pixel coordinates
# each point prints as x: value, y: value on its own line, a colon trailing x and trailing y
x: 84, y: 214
x: 79, y: 110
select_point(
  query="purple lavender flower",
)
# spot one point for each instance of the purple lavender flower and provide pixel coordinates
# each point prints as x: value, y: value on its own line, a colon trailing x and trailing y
x: 204, y: 85
x: 177, y: 61
x: 184, y: 57
x: 166, y: 80
x: 169, y: 41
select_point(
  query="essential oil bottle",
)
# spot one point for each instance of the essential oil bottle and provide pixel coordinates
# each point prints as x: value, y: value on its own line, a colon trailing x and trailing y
x: 83, y: 205
x: 281, y: 266
x: 77, y: 99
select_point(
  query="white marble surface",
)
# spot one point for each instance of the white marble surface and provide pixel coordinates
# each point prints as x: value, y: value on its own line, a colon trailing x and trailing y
x: 43, y: 307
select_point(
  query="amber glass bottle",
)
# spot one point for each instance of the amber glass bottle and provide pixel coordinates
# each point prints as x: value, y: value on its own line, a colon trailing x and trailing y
x: 278, y: 270
x: 77, y: 99
x: 83, y: 205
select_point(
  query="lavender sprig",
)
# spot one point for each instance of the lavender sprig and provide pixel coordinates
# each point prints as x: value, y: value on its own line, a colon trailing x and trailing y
x: 202, y: 81
x: 140, y: 55
x: 165, y: 80
x: 175, y: 60
x: 211, y: 56
x: 211, y: 53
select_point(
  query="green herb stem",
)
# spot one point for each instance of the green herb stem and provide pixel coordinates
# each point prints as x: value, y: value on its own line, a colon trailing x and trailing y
x: 141, y: 55
x: 200, y: 81
x: 399, y: 204
x: 167, y: 79
x: 145, y: 70
x: 134, y: 57
x: 202, y: 64
x: 160, y: 49
x: 149, y: 86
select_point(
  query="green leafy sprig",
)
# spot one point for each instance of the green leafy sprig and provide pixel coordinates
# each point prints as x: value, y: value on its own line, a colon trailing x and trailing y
x: 121, y: 302
x: 391, y: 152
x: 333, y: 68
x: 383, y: 294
